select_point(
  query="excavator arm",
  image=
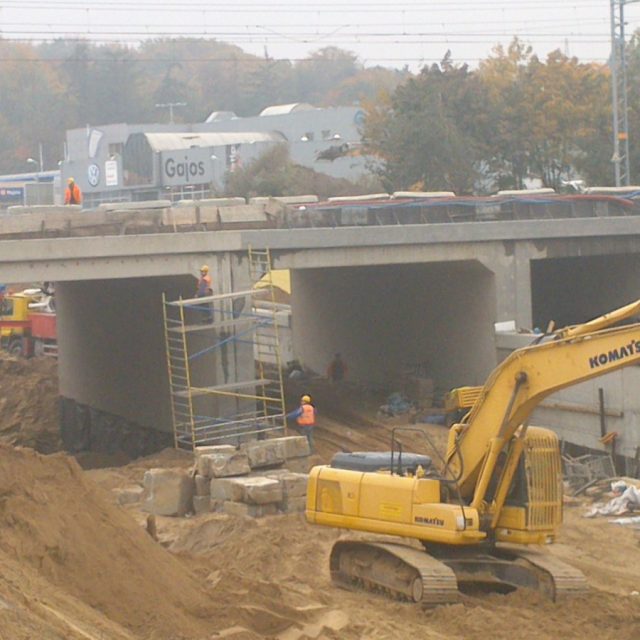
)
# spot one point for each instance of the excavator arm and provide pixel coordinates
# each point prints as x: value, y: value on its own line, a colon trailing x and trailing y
x: 519, y: 384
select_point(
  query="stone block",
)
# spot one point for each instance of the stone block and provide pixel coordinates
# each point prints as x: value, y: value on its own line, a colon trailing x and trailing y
x: 260, y: 490
x: 202, y: 485
x: 169, y: 492
x: 129, y: 495
x: 225, y: 465
x: 298, y: 465
x: 295, y: 446
x: 293, y: 505
x: 217, y: 448
x: 201, y: 504
x: 202, y: 466
x: 251, y: 510
x: 226, y: 489
x: 294, y: 485
x: 264, y: 453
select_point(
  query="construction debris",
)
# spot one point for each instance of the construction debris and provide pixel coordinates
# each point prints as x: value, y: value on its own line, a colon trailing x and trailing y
x: 584, y: 471
x: 626, y: 499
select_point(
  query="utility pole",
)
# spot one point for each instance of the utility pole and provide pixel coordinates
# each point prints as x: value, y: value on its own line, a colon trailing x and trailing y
x: 170, y: 106
x: 618, y: 64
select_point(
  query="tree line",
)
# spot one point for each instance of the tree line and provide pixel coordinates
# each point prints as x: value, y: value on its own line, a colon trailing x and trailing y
x: 447, y: 127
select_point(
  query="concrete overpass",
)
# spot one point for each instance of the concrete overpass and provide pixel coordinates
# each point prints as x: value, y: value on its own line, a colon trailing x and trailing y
x: 387, y: 297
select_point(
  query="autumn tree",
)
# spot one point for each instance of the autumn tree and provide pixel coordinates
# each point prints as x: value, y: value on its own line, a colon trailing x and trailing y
x: 546, y: 118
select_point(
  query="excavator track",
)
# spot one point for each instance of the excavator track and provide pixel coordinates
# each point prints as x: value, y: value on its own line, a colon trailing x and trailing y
x: 399, y: 571
x: 412, y: 575
x: 563, y: 579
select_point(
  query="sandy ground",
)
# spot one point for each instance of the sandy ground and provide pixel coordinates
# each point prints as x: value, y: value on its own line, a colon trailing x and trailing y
x: 75, y: 565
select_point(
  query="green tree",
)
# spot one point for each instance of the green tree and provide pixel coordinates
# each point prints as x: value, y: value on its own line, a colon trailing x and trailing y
x: 273, y: 174
x: 424, y: 133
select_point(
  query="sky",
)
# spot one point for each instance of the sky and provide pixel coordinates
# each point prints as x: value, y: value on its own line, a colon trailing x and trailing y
x: 392, y: 34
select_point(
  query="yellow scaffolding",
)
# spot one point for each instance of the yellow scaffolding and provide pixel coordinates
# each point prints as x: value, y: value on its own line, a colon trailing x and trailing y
x: 224, y: 363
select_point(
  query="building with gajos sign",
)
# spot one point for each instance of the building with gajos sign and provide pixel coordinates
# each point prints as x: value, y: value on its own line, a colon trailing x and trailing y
x: 122, y: 162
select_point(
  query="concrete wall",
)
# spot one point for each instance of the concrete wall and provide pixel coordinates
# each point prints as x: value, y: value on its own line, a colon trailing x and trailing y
x: 111, y: 345
x: 385, y: 320
x: 573, y: 290
x: 574, y: 412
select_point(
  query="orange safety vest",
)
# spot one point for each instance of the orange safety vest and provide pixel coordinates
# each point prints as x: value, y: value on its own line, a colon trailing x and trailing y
x: 308, y: 416
x: 73, y: 196
x: 204, y: 286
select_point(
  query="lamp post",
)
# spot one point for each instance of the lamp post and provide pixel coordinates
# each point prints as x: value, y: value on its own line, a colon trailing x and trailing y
x: 620, y: 108
x: 38, y: 166
x: 170, y: 106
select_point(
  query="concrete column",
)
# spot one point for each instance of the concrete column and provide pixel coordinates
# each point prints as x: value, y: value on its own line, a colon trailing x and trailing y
x: 511, y: 267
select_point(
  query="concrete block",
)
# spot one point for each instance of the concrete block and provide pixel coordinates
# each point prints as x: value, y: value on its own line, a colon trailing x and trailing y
x: 135, y: 206
x: 201, y: 504
x: 284, y: 199
x: 44, y: 209
x: 260, y: 490
x: 224, y: 465
x: 221, y: 202
x: 264, y: 453
x: 216, y: 448
x: 295, y: 446
x: 299, y: 465
x: 251, y: 510
x: 294, y: 485
x: 183, y: 215
x: 202, y: 464
x: 226, y: 489
x: 169, y: 492
x: 293, y: 505
x: 129, y: 495
x: 202, y: 485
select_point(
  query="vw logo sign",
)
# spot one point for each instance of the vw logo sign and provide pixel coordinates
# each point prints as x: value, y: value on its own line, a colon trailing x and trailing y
x: 93, y: 175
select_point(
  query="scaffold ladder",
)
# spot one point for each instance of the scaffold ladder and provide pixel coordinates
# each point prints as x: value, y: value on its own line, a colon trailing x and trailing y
x: 179, y: 374
x: 267, y: 337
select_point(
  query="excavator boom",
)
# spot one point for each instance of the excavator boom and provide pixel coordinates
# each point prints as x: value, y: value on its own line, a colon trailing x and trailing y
x: 518, y: 385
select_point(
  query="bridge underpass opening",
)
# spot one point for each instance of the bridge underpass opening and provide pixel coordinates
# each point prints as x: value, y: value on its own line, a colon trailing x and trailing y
x: 385, y: 320
x: 112, y: 359
x: 574, y: 290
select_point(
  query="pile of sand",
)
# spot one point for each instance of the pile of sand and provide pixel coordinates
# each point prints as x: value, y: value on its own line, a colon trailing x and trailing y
x: 29, y: 413
x: 63, y: 527
x: 75, y: 565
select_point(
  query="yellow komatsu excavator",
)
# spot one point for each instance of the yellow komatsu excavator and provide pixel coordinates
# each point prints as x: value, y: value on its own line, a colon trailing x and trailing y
x: 497, y: 491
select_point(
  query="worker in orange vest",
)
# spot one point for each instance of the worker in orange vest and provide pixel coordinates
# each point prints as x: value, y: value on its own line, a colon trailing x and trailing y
x: 204, y: 289
x: 305, y: 416
x: 204, y: 283
x: 72, y: 195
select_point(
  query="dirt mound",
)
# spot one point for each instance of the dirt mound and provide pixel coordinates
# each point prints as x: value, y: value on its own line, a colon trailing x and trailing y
x: 61, y: 526
x: 284, y: 558
x: 29, y: 414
